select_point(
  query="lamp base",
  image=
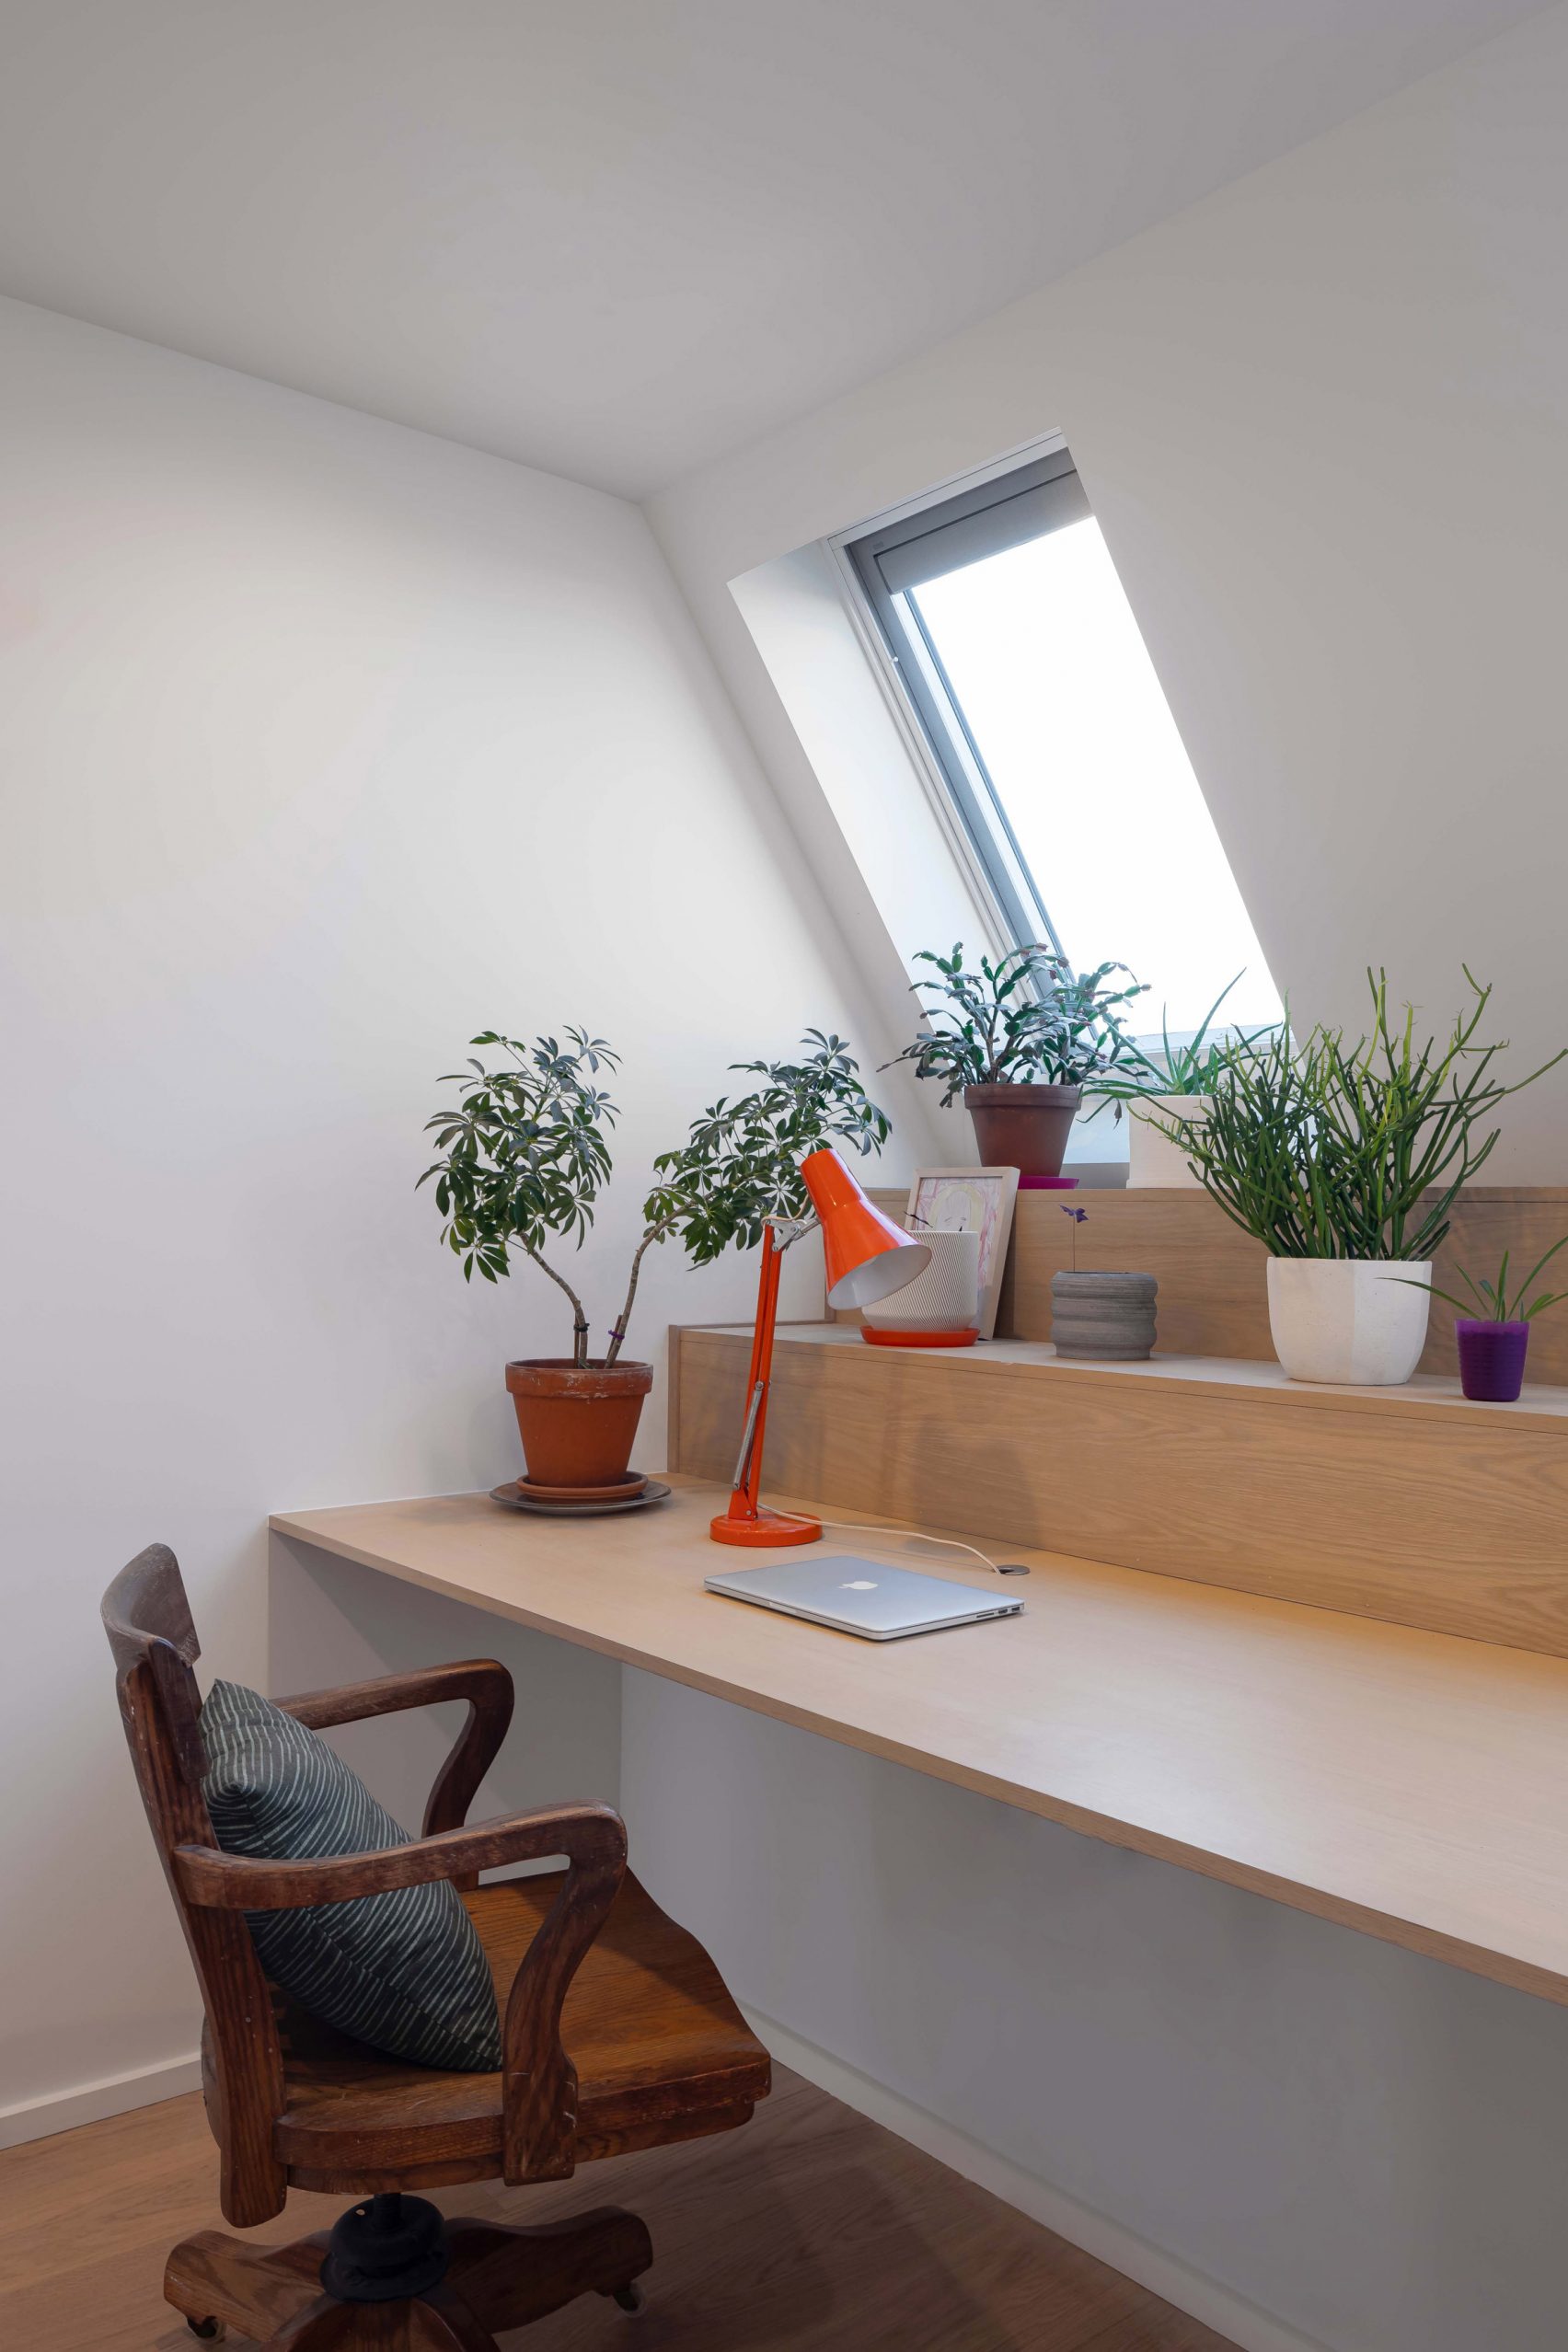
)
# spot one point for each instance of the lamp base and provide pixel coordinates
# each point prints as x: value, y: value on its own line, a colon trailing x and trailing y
x: 768, y: 1527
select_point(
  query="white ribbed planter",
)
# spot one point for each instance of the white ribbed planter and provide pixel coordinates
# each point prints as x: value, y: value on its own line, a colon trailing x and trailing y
x: 945, y: 1297
x: 1151, y: 1158
x: 1349, y: 1319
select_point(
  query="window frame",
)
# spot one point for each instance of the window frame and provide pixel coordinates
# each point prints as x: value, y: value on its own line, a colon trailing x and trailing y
x: 952, y: 763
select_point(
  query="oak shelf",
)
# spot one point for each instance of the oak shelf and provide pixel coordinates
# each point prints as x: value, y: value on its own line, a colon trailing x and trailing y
x: 1410, y: 1503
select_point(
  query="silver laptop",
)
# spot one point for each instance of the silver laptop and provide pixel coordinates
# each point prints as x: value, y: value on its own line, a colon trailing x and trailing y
x: 864, y: 1596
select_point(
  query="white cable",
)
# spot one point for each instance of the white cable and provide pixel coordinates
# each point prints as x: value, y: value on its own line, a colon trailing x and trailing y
x: 908, y: 1535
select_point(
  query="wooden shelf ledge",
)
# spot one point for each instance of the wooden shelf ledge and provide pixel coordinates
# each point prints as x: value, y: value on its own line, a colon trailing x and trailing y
x: 1393, y: 1781
x: 1410, y: 1503
x: 1217, y: 1375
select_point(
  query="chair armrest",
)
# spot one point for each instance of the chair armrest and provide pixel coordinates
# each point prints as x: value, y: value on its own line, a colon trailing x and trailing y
x: 539, y: 2082
x: 220, y: 1882
x: 483, y: 1682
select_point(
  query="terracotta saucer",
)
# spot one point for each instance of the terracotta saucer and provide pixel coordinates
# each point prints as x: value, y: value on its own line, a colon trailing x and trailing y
x: 621, y: 1490
x: 516, y: 1499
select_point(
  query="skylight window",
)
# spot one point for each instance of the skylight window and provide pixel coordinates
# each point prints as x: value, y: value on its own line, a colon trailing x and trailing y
x: 1018, y: 648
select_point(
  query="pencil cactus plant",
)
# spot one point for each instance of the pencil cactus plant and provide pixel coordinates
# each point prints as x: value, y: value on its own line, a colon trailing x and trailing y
x: 1324, y: 1147
x: 1345, y: 1159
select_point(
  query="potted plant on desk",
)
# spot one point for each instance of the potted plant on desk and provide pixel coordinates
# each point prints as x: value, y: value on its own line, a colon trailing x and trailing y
x: 739, y: 1169
x: 525, y: 1155
x: 1020, y: 1039
x: 1492, y: 1329
x: 1345, y: 1161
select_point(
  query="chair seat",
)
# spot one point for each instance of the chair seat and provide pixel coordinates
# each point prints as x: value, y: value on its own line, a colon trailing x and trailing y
x: 660, y: 2050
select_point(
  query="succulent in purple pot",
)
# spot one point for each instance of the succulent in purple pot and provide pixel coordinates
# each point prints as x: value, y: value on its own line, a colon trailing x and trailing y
x: 1492, y: 1329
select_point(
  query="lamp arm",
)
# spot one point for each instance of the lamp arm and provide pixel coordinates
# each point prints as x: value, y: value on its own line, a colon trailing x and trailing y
x: 745, y: 1521
x: 854, y: 1230
x: 743, y: 1460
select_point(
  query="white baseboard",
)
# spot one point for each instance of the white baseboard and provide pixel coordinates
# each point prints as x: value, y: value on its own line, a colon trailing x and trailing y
x: 90, y: 2101
x: 1204, y: 2299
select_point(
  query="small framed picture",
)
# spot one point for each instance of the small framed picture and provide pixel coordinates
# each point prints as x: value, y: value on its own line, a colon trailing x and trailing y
x: 969, y: 1200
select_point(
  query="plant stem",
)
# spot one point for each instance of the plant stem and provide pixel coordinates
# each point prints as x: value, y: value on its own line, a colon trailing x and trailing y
x: 580, y: 1323
x: 618, y: 1328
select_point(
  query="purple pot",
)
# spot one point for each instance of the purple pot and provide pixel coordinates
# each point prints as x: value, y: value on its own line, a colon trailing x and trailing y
x: 1492, y: 1359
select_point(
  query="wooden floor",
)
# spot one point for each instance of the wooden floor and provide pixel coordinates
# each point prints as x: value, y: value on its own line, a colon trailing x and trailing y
x: 809, y: 2226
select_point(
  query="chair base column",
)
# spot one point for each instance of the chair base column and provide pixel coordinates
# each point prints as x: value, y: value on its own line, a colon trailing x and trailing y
x: 389, y: 2250
x: 288, y: 2298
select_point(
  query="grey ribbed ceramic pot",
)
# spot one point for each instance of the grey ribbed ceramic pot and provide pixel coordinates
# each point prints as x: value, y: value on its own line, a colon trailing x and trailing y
x: 1103, y: 1314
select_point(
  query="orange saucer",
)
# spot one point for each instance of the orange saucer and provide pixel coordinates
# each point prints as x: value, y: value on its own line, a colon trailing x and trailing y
x: 917, y: 1339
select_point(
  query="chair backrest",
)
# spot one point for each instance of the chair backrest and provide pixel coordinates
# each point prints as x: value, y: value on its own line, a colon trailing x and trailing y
x: 148, y: 1621
x: 147, y: 1618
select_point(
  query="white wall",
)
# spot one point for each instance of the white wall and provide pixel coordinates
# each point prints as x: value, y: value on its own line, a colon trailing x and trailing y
x: 1301, y: 2136
x: 1321, y: 416
x: 324, y: 744
x: 1323, y: 419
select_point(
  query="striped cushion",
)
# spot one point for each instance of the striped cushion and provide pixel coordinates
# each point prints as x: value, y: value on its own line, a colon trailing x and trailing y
x: 402, y: 1971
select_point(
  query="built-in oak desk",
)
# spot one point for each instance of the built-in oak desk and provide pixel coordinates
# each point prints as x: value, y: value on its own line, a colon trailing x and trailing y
x: 1409, y: 1784
x: 1408, y: 1504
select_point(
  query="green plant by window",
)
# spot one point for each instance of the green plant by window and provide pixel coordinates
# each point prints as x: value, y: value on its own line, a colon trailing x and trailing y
x: 1326, y: 1149
x: 1026, y: 1019
x: 1196, y: 1067
x: 526, y: 1153
x: 1490, y: 1302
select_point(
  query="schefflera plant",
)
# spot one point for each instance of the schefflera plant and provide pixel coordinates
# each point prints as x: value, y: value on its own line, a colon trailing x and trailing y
x: 739, y: 1170
x: 524, y: 1156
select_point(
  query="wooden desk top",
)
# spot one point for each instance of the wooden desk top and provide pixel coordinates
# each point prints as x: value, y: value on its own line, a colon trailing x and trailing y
x: 1407, y: 1784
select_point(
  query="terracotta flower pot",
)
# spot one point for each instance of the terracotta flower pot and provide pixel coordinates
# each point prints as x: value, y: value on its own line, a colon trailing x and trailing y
x: 1024, y: 1127
x: 577, y: 1421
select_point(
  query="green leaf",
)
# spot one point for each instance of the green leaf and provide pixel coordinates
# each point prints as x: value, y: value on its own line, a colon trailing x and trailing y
x: 1329, y: 1148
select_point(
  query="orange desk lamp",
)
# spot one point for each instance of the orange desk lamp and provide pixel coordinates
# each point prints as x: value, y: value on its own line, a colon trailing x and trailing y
x: 866, y: 1256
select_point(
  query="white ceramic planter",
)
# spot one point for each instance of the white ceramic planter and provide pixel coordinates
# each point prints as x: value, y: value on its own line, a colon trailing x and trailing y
x: 1151, y: 1158
x: 945, y: 1297
x: 1349, y: 1319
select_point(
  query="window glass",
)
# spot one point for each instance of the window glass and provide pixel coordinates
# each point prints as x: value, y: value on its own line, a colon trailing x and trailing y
x: 1048, y: 722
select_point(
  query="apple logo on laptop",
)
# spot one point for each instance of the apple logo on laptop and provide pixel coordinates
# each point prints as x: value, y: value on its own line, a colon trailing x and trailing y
x: 859, y: 1584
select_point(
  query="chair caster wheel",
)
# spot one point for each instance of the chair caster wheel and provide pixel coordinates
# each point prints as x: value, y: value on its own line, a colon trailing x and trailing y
x: 629, y: 2300
x: 211, y: 2331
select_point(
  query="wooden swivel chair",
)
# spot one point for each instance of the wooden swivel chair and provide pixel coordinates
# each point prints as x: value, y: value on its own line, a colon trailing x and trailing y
x: 618, y: 2034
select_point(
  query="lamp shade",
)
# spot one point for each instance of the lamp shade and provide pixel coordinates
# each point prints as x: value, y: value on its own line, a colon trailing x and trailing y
x: 867, y: 1255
